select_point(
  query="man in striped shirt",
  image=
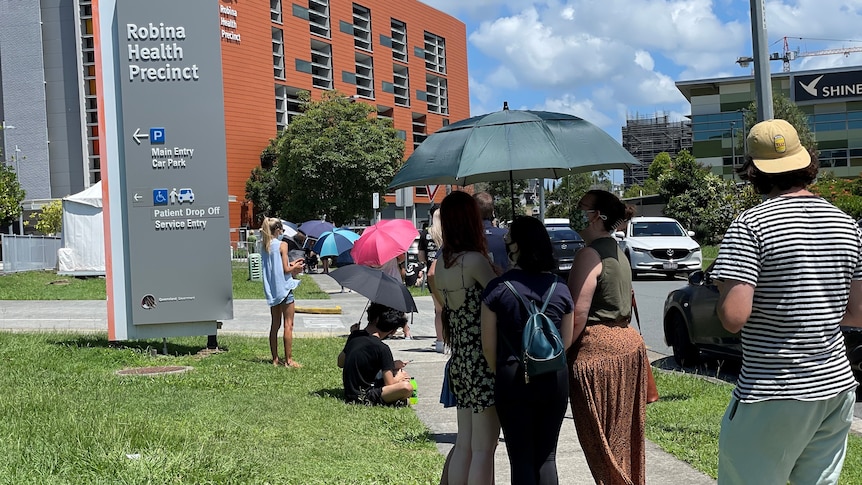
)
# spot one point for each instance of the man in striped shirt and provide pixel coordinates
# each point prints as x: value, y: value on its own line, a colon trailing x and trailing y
x: 790, y: 273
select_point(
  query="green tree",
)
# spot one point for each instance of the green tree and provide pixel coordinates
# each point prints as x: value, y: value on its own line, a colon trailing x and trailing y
x: 701, y: 201
x: 502, y: 191
x: 11, y: 195
x: 649, y: 187
x: 565, y: 196
x: 332, y: 158
x: 49, y: 220
x: 785, y: 109
x: 846, y: 194
x: 659, y: 165
x: 262, y: 187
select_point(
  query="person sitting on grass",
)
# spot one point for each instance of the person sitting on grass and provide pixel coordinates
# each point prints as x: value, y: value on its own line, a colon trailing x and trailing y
x: 370, y: 375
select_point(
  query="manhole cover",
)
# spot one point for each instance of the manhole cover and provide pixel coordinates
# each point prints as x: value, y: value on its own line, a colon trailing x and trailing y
x: 154, y: 371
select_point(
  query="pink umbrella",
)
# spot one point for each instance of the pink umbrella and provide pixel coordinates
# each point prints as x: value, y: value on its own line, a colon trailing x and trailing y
x: 383, y: 241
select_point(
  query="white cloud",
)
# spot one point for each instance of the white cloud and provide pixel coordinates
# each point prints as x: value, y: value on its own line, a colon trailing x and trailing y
x: 502, y: 77
x: 610, y: 59
x: 568, y: 104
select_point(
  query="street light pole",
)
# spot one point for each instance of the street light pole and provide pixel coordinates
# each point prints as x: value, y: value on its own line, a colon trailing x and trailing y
x: 762, y: 78
x: 733, y: 146
x: 5, y: 139
x: 18, y: 176
x: 5, y: 143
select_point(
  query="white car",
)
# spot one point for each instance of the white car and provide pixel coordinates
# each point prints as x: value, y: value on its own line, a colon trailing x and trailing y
x: 659, y: 245
x: 186, y: 195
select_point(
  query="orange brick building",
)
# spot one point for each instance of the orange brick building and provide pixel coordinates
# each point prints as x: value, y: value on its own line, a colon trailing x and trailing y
x: 405, y: 58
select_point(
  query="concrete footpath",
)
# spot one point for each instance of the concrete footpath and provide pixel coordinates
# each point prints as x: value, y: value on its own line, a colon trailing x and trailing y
x: 251, y: 317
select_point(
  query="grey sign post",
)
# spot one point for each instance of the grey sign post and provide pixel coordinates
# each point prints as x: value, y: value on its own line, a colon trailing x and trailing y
x: 168, y: 182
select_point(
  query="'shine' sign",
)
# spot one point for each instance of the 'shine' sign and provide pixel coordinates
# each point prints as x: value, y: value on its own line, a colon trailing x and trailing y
x: 836, y: 85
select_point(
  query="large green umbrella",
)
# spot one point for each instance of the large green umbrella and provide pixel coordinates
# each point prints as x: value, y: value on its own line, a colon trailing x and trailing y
x: 511, y: 144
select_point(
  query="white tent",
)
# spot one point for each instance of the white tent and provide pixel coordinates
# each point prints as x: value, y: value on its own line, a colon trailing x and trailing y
x: 83, y: 236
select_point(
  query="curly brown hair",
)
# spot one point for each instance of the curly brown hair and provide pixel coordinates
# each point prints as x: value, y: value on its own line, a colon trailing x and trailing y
x: 764, y: 183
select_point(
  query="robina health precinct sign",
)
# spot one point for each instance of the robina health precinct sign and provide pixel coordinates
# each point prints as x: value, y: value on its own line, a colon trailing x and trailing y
x: 168, y: 266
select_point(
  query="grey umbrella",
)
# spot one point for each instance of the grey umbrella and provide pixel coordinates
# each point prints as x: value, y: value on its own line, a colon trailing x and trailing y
x: 375, y: 285
x: 511, y: 144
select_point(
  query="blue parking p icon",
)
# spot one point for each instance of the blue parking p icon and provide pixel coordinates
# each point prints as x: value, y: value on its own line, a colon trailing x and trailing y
x: 160, y: 196
x: 157, y: 136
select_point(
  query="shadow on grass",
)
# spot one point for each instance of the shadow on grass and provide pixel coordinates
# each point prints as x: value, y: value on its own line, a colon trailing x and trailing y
x: 329, y: 394
x: 145, y: 346
x: 726, y: 370
x: 443, y: 437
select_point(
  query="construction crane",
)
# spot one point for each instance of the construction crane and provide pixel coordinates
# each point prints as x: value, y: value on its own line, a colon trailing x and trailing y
x: 791, y: 55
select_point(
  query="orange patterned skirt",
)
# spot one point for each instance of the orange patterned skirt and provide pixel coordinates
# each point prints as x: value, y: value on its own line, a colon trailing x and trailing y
x: 607, y: 391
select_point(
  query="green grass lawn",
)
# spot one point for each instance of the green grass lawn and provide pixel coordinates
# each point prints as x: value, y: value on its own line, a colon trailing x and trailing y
x: 686, y: 422
x: 67, y: 418
x: 47, y: 285
x: 709, y: 253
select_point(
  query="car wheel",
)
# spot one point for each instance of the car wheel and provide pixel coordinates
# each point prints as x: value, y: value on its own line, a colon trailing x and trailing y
x: 685, y: 353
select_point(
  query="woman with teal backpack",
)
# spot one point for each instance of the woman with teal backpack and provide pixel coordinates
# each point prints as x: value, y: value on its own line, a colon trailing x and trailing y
x: 531, y: 410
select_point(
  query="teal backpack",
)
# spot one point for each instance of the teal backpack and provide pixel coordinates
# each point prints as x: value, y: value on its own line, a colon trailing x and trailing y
x: 542, y: 350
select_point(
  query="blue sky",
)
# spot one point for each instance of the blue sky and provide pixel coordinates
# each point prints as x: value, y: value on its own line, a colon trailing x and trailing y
x: 609, y: 60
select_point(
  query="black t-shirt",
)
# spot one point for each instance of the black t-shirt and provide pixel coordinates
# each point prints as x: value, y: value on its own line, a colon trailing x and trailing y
x: 427, y: 244
x: 411, y: 272
x: 364, y: 357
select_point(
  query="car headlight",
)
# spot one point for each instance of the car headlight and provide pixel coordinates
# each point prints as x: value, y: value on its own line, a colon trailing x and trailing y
x: 640, y: 250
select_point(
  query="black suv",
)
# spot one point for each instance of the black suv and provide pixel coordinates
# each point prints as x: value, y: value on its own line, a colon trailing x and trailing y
x: 692, y: 327
x: 566, y: 242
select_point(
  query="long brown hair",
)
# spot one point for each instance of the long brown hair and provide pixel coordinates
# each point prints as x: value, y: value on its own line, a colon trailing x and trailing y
x: 462, y: 226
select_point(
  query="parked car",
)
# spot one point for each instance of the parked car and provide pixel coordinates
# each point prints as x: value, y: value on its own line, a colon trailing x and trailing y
x: 565, y: 242
x: 659, y: 245
x: 692, y: 326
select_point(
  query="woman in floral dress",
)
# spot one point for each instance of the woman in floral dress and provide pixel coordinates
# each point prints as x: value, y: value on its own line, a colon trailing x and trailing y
x: 460, y: 279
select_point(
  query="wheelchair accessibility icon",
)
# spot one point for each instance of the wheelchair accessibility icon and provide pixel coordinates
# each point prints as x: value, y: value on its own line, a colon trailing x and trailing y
x: 160, y: 196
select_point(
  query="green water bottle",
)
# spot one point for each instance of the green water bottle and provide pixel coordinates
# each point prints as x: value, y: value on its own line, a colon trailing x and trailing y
x: 414, y: 398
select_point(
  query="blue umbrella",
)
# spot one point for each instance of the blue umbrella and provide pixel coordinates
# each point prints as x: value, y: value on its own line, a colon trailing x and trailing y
x: 335, y: 242
x: 315, y: 228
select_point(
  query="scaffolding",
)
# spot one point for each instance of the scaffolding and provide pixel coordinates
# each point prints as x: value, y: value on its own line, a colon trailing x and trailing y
x: 647, y: 136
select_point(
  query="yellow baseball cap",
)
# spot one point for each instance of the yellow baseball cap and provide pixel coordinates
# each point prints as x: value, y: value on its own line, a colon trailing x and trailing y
x: 775, y: 148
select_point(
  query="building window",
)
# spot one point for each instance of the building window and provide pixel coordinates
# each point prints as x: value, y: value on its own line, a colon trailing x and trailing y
x: 318, y: 17
x: 275, y: 10
x: 321, y: 64
x: 420, y: 132
x: 286, y: 106
x: 364, y: 75
x: 401, y: 85
x: 435, y: 53
x: 361, y: 27
x: 90, y: 93
x: 278, y: 53
x: 385, y: 113
x: 399, y: 40
x: 436, y: 95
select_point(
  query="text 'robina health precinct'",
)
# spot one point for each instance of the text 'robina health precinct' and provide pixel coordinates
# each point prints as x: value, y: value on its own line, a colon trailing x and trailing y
x: 167, y: 48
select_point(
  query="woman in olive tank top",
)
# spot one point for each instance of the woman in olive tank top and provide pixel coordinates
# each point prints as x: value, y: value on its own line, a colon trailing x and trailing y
x: 607, y: 382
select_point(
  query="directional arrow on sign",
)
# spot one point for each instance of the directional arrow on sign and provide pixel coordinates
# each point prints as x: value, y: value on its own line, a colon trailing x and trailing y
x: 138, y: 197
x: 138, y: 136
